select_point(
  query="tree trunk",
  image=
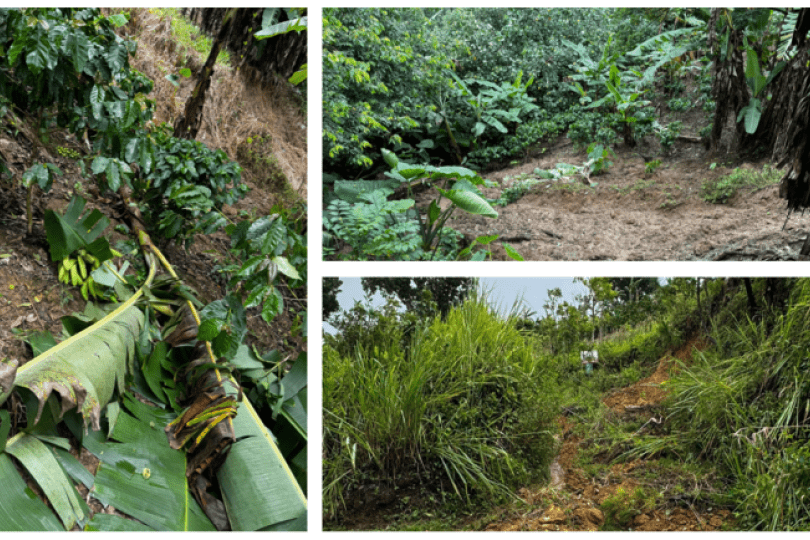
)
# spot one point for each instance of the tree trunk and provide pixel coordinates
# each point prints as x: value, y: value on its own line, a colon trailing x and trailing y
x: 729, y: 89
x: 749, y: 291
x: 187, y: 126
x: 280, y: 55
x: 629, y: 139
x: 791, y: 145
x: 785, y: 92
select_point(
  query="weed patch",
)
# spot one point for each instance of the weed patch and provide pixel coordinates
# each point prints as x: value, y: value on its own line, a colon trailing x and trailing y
x: 189, y: 37
x: 720, y: 190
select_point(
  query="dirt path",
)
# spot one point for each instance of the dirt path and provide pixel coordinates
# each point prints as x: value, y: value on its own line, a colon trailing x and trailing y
x: 633, y: 215
x: 576, y: 500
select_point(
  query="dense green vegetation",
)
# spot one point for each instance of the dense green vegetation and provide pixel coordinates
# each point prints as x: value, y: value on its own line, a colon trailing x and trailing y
x: 406, y: 403
x: 734, y: 420
x: 141, y: 338
x: 481, y: 87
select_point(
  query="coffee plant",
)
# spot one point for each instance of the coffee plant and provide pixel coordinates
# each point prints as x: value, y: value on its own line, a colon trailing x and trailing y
x: 67, y: 69
x: 263, y: 250
x: 186, y: 182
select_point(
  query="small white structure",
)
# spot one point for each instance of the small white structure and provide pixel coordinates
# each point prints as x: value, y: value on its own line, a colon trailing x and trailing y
x: 589, y: 357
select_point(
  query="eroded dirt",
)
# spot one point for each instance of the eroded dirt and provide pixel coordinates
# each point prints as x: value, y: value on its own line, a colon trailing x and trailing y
x: 574, y: 499
x: 633, y: 215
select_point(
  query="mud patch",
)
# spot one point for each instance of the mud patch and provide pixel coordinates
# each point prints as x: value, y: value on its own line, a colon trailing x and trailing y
x: 648, y: 392
x: 630, y: 214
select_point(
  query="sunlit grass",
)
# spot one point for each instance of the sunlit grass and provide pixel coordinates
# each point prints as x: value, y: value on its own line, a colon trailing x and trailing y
x: 189, y: 36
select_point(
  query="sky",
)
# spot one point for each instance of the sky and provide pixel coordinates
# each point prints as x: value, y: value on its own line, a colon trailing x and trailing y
x: 502, y: 293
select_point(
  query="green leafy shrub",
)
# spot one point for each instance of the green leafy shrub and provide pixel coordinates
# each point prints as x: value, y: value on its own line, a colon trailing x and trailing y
x: 598, y: 155
x: 668, y: 135
x: 651, y: 166
x: 646, y: 347
x: 585, y: 127
x: 264, y: 248
x: 184, y: 185
x: 679, y: 104
x: 517, y: 190
x: 365, y: 219
x: 391, y: 80
x: 373, y: 226
x: 68, y: 69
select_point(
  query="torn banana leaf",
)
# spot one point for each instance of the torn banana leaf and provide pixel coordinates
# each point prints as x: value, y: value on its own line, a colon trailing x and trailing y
x: 258, y: 488
x: 142, y: 476
x: 86, y: 368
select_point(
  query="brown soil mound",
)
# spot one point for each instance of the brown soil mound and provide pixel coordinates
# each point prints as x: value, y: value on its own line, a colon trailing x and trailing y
x: 648, y: 392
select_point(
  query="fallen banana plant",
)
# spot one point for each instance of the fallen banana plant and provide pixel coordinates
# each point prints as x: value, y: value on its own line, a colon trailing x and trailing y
x: 141, y: 475
x: 258, y: 488
x: 86, y: 368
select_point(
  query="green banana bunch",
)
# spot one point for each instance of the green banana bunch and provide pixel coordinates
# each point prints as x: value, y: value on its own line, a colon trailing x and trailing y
x: 76, y: 271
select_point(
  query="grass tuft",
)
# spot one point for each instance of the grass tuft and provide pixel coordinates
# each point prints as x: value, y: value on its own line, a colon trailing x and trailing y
x: 720, y: 190
x: 189, y: 36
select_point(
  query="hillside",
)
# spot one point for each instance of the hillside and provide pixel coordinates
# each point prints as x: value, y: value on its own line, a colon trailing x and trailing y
x: 124, y: 244
x: 693, y: 419
x: 565, y: 134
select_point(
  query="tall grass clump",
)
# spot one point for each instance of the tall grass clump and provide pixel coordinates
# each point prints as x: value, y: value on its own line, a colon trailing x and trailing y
x: 745, y: 405
x: 467, y: 405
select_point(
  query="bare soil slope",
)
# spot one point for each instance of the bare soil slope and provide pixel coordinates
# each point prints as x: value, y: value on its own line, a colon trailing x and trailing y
x: 632, y: 215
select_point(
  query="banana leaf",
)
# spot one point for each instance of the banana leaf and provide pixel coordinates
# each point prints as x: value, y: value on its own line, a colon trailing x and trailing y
x: 141, y: 475
x: 113, y: 523
x: 20, y: 509
x: 86, y: 368
x: 258, y: 488
x: 40, y: 462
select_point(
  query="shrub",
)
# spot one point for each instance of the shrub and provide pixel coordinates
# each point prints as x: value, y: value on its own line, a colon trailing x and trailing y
x: 740, y: 404
x: 679, y: 104
x: 598, y: 158
x: 186, y: 183
x: 667, y: 135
